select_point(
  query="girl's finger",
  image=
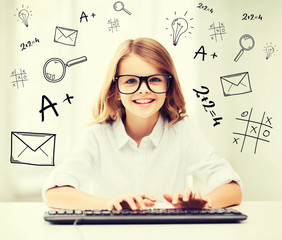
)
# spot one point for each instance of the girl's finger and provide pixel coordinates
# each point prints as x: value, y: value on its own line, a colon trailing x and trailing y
x: 198, y: 194
x: 187, y: 195
x: 167, y: 197
x: 148, y: 203
x: 131, y: 203
x: 148, y: 196
x: 117, y: 206
x: 139, y: 201
x: 175, y: 198
x: 208, y: 202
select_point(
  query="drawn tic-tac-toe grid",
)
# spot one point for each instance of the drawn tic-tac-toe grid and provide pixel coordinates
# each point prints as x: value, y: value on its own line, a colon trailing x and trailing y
x: 113, y: 25
x: 218, y: 31
x: 19, y: 78
x: 254, y: 131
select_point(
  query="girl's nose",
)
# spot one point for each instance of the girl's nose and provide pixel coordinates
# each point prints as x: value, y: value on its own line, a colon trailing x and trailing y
x: 143, y: 88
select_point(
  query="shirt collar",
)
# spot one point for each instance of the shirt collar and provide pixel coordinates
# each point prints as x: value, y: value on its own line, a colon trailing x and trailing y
x: 155, y: 136
x: 121, y: 136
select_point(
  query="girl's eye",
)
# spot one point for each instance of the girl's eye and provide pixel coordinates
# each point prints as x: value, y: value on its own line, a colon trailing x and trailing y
x: 155, y: 79
x: 131, y: 81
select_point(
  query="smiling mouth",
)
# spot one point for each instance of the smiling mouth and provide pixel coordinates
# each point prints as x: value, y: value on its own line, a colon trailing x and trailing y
x: 143, y: 101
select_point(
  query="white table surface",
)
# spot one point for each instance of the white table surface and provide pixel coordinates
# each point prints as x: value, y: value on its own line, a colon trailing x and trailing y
x: 25, y: 221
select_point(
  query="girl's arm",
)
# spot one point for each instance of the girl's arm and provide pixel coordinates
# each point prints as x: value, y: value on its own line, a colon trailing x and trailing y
x: 225, y: 195
x: 67, y: 197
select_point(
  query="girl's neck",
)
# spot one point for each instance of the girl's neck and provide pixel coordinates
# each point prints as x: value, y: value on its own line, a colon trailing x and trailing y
x: 137, y: 127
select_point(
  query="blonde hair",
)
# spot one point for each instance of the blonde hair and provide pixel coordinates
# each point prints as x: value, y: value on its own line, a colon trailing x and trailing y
x: 108, y: 108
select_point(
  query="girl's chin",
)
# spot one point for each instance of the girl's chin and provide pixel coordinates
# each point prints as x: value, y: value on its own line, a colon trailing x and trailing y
x: 143, y: 114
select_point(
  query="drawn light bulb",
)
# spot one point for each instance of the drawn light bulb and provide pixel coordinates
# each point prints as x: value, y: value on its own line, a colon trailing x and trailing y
x: 23, y: 15
x: 269, y: 50
x: 179, y: 26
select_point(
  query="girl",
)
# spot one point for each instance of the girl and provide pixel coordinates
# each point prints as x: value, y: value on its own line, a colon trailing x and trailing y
x: 140, y: 148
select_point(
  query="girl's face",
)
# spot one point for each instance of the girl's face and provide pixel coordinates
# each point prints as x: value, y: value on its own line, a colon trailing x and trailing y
x: 143, y: 103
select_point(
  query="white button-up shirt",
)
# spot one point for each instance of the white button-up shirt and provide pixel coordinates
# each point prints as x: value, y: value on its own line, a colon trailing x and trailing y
x: 107, y: 162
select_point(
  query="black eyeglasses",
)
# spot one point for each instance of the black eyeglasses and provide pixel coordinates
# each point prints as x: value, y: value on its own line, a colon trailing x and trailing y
x: 129, y: 84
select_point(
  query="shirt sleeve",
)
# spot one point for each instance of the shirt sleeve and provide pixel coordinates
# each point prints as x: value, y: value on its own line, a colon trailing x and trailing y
x: 204, y: 163
x: 76, y: 168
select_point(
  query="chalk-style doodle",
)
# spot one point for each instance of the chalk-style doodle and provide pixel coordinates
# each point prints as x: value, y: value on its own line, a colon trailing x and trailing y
x: 24, y: 15
x: 255, y: 130
x: 66, y: 36
x: 214, y: 55
x: 218, y: 31
x: 54, y: 70
x: 51, y: 105
x: 85, y: 16
x: 251, y: 17
x: 28, y: 44
x: 82, y: 16
x: 33, y: 148
x: 19, y: 78
x: 203, y: 53
x: 269, y: 50
x: 206, y: 8
x: 119, y: 6
x: 208, y: 106
x: 68, y: 98
x: 113, y: 24
x: 179, y: 26
x: 247, y: 43
x: 44, y: 108
x: 236, y: 84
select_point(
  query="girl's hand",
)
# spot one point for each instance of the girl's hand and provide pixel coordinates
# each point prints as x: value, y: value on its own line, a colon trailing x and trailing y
x: 188, y: 199
x: 132, y: 201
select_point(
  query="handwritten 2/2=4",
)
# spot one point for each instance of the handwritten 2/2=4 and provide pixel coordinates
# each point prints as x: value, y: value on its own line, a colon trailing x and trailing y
x: 259, y: 131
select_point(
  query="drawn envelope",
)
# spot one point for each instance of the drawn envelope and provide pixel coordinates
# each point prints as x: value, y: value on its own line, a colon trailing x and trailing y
x: 65, y: 36
x: 236, y: 84
x: 33, y: 148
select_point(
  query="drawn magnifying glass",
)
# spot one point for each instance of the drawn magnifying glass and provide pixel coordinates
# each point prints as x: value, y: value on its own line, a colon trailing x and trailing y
x: 119, y: 6
x: 247, y: 43
x: 54, y: 70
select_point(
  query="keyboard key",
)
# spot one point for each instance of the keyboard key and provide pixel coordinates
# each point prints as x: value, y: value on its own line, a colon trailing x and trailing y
x: 106, y: 212
x: 88, y: 212
x: 78, y: 212
x: 61, y: 212
x: 52, y: 212
x: 69, y: 211
x: 116, y: 212
x: 97, y: 212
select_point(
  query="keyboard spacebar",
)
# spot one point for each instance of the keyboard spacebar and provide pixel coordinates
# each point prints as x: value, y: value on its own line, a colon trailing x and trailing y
x: 128, y: 219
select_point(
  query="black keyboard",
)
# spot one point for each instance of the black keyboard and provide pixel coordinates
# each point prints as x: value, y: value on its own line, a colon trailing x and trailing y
x: 162, y: 215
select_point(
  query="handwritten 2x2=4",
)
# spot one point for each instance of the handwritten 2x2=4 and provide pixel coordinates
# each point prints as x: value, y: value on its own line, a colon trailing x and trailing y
x: 205, y: 8
x: 24, y: 46
x: 208, y: 105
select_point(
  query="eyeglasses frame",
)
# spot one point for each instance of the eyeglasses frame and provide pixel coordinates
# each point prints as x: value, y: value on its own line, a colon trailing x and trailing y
x: 144, y: 78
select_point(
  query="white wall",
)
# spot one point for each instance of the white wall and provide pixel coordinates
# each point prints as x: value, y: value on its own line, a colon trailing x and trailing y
x: 260, y: 171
